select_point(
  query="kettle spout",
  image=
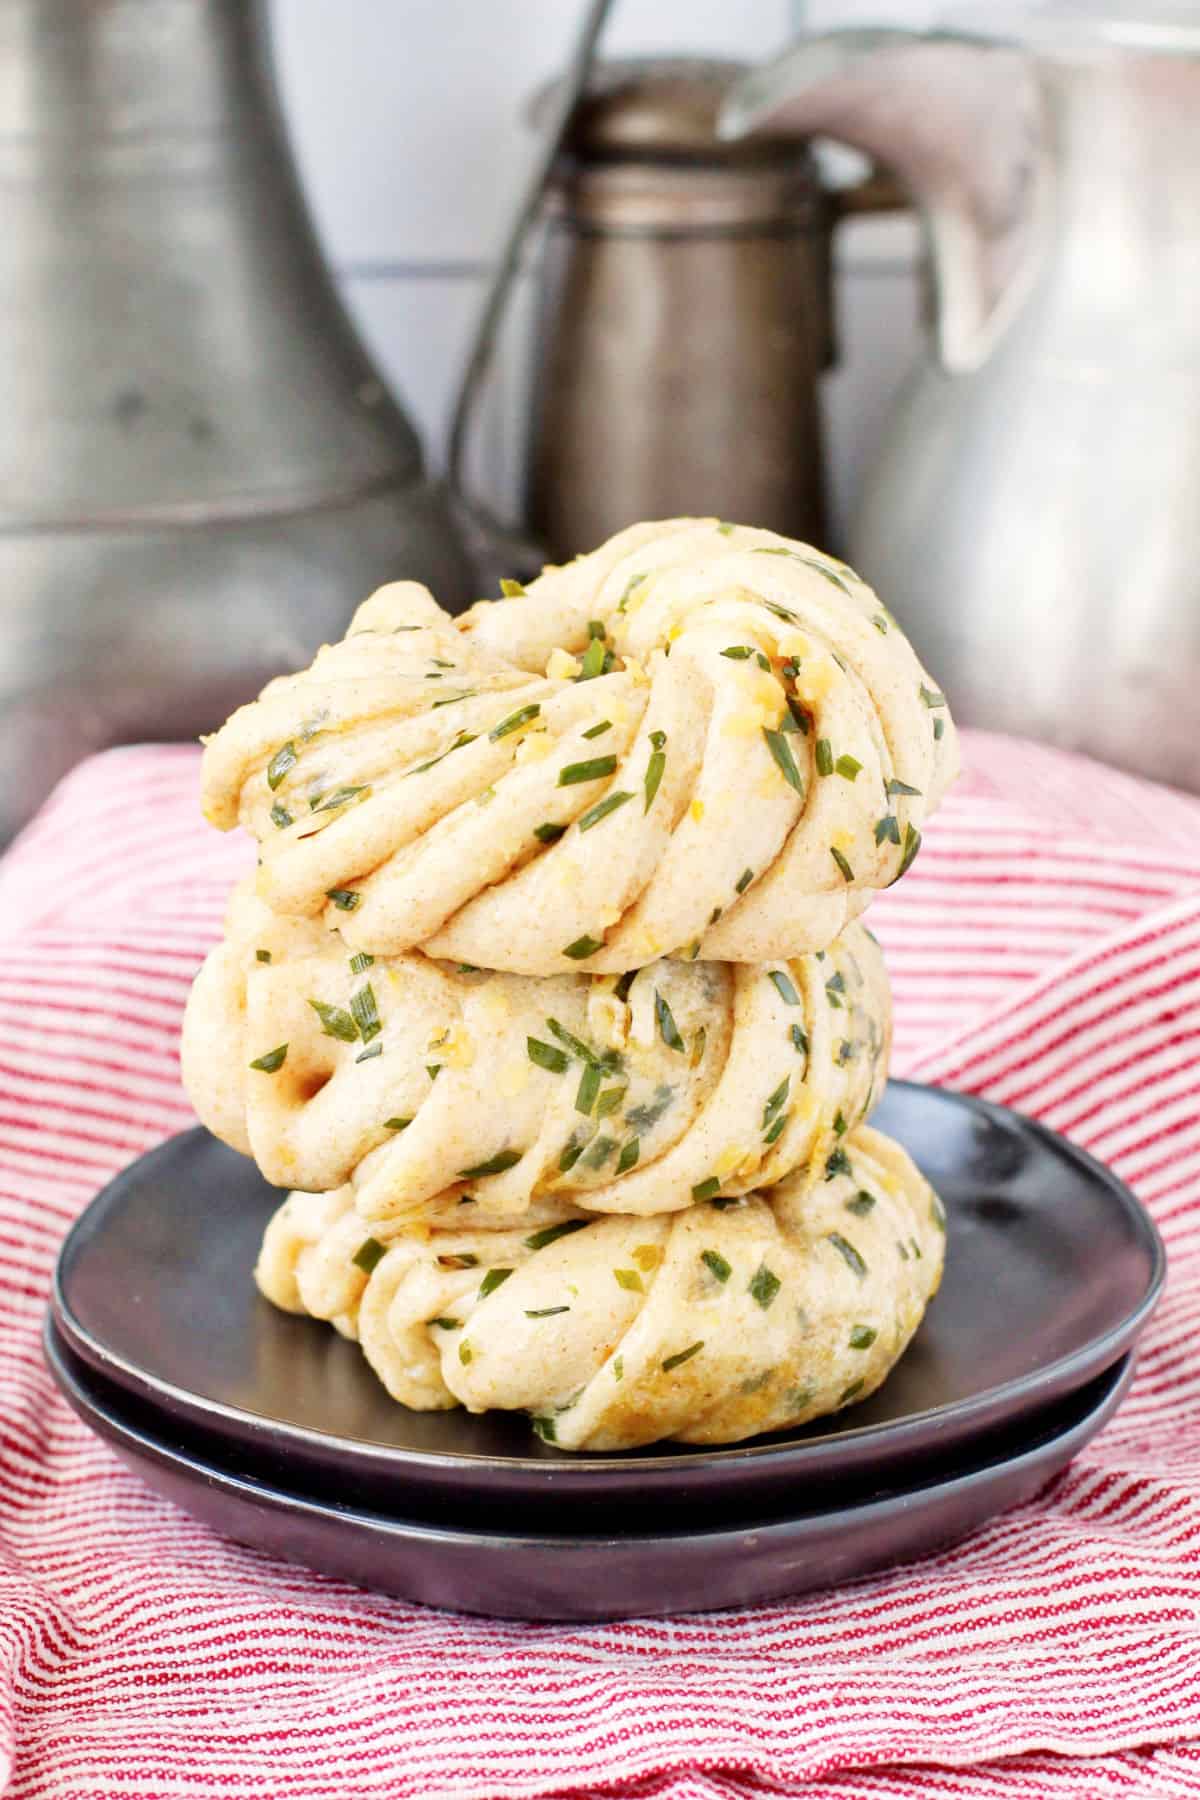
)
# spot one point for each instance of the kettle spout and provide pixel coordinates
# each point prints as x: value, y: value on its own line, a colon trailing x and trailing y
x: 959, y: 121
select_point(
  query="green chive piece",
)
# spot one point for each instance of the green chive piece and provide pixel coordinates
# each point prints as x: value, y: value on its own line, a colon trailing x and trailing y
x: 715, y: 1263
x: 707, y: 1189
x: 726, y: 530
x: 589, y: 1088
x: 823, y: 756
x: 595, y: 770
x: 880, y: 623
x: 682, y: 1356
x: 584, y: 946
x: 335, y: 1022
x: 371, y: 1051
x: 545, y: 1312
x: 799, y: 1038
x: 445, y: 1324
x: 744, y: 880
x: 848, y: 766
x: 843, y: 865
x: 345, y: 899
x: 550, y: 1234
x: 902, y: 787
x: 601, y: 810
x: 835, y: 987
x: 433, y: 1070
x: 593, y: 660
x: 340, y: 797
x: 369, y: 1255
x: 548, y: 834
x: 546, y: 1056
x: 600, y: 729
x: 272, y: 1062
x: 800, y: 720
x: 364, y: 1013
x: 512, y: 590
x: 610, y: 1100
x: 776, y: 1100
x: 862, y: 1337
x: 360, y: 962
x: 738, y: 652
x: 634, y: 581
x: 460, y: 743
x: 630, y: 1280
x: 545, y: 1426
x: 781, y: 750
x: 465, y: 1352
x: 668, y: 1030
x: 630, y: 1151
x: 575, y: 1045
x: 396, y: 1124
x: 939, y: 726
x: 912, y: 843
x: 931, y: 697
x: 764, y: 1285
x: 281, y: 817
x: 654, y: 774
x: 837, y: 1163
x: 262, y: 956
x: 492, y: 1280
x: 514, y: 721
x: 848, y: 1253
x: 855, y: 1388
x: 777, y: 1130
x: 839, y: 1121
x: 618, y: 1368
x: 285, y: 758
x: 861, y: 1203
x: 937, y: 1212
x: 784, y: 987
x: 598, y: 1152
x: 460, y: 1259
x: 571, y: 1153
x: 887, y: 829
x: 495, y: 1165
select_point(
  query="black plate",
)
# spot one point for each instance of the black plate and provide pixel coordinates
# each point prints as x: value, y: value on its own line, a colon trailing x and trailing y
x: 1052, y: 1270
x: 514, y: 1573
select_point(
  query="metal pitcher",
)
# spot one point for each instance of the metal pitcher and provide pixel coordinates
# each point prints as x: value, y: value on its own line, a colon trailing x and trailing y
x: 1034, y: 514
x: 201, y: 472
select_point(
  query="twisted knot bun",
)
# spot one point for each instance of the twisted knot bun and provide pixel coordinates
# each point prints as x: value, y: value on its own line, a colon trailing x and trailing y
x: 706, y: 1325
x: 699, y: 740
x: 433, y: 1085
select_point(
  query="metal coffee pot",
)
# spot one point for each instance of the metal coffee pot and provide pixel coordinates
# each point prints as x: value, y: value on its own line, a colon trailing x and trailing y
x: 201, y: 472
x: 1034, y: 513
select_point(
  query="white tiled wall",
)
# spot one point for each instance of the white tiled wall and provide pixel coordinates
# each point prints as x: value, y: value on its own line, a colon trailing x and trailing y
x: 406, y: 117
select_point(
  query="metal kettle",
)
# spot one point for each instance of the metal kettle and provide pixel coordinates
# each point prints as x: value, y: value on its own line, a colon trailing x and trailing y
x: 1034, y: 513
x: 201, y: 472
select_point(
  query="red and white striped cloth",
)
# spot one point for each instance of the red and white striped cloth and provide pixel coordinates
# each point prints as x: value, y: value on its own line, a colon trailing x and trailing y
x: 1046, y: 952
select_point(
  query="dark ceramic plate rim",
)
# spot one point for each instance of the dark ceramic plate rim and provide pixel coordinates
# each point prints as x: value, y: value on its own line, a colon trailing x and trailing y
x: 1021, y: 1395
x: 73, y: 1386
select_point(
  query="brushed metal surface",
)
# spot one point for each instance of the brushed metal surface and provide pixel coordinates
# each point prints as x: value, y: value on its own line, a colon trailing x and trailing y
x: 201, y: 472
x: 1033, y: 516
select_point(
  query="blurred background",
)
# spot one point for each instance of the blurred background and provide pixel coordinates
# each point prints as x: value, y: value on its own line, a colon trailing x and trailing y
x: 299, y: 296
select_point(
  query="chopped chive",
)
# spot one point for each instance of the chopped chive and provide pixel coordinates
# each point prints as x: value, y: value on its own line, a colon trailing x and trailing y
x: 848, y: 1253
x: 512, y: 590
x: 823, y: 569
x: 784, y: 987
x: 839, y: 1123
x: 550, y: 1234
x: 272, y: 1062
x: 345, y: 899
x: 855, y: 1388
x: 340, y: 797
x: 654, y: 771
x: 776, y: 1100
x: 799, y: 1038
x: 744, y: 880
x: 931, y: 697
x: 738, y: 652
x: 724, y: 1201
x: 630, y: 1151
x: 575, y: 1045
x: 364, y: 1013
x: 601, y: 810
x: 546, y: 1056
x: 545, y: 1426
x: 764, y: 1285
x: 396, y: 1124
x: 453, y: 699
x: 668, y: 1030
x: 514, y: 721
x: 634, y: 581
x: 777, y: 1129
x: 823, y: 756
x: 445, y: 1324
x: 843, y: 865
x: 837, y: 1163
x: 880, y: 623
x: 262, y: 956
x: 726, y: 530
x: 716, y: 1264
x: 369, y: 1255
x: 937, y: 1212
x: 594, y: 659
x: 887, y: 829
x: 939, y: 726
x: 698, y: 1045
x: 618, y: 1368
x: 460, y: 743
x: 545, y: 1312
x: 360, y: 961
x: 862, y: 1337
x: 630, y: 1280
x: 457, y: 1259
x: 572, y: 1150
x: 903, y: 1253
x: 912, y: 843
x: 796, y: 713
x: 595, y: 770
x: 598, y: 1152
x: 707, y: 1189
x: 548, y: 834
x: 916, y: 1249
x: 682, y: 1356
x: 285, y: 758
x: 901, y: 787
x: 835, y: 987
x: 861, y: 1203
x: 596, y: 629
x: 433, y: 1070
x: 848, y: 766
x: 847, y: 1051
x: 610, y: 1101
x: 465, y: 1352
x: 589, y: 1088
x: 781, y: 750
x: 335, y: 1022
x: 584, y: 946
x: 600, y: 729
x: 371, y: 1051
x: 780, y: 612
x: 492, y: 1280
x: 495, y: 1165
x: 281, y: 817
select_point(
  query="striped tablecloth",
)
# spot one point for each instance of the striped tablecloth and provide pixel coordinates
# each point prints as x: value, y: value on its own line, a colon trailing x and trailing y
x: 1046, y: 952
